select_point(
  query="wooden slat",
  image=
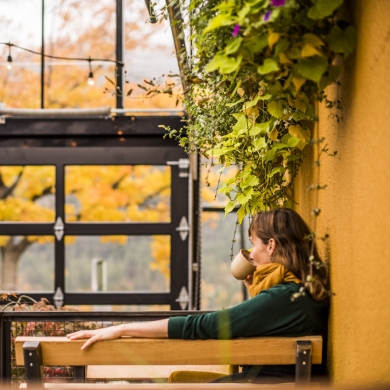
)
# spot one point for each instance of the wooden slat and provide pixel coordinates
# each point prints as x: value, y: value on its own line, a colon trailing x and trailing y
x: 145, y: 372
x: 168, y: 386
x: 139, y: 351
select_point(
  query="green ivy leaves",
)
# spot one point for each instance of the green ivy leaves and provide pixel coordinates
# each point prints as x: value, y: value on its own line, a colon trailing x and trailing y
x: 311, y: 68
x: 342, y: 42
x: 276, y: 109
x: 219, y: 21
x: 270, y: 65
x: 233, y: 45
x: 323, y: 8
x: 261, y: 69
x: 264, y: 156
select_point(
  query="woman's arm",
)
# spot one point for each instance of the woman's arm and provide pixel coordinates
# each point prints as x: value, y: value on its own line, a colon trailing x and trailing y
x: 152, y: 329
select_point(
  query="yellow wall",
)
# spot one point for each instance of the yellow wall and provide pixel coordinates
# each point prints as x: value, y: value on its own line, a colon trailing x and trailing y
x: 356, y: 204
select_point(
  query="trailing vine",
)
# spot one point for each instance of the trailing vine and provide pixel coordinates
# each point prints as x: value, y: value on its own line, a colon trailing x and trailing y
x: 257, y: 68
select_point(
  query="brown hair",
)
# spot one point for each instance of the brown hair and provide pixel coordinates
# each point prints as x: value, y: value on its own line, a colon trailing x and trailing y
x: 293, y: 247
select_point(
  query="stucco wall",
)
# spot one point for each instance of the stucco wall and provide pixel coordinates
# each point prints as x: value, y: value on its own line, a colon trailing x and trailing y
x: 356, y: 204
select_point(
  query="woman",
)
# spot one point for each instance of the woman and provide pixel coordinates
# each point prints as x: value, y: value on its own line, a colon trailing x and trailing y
x: 289, y: 306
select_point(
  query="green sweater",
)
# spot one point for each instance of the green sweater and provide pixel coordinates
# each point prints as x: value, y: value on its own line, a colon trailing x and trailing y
x: 270, y: 313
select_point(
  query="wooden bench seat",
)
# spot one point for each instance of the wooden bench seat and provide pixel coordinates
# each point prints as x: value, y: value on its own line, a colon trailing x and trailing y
x: 36, y: 352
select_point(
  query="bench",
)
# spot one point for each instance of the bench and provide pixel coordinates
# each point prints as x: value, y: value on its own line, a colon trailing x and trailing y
x: 155, y: 373
x: 36, y: 352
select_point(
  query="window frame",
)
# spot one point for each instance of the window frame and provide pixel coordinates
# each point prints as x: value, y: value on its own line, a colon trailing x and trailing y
x: 104, y: 141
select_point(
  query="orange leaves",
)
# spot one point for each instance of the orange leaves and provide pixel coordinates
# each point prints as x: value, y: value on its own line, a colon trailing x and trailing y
x: 118, y: 193
x: 29, y: 194
x: 93, y: 194
x: 161, y: 253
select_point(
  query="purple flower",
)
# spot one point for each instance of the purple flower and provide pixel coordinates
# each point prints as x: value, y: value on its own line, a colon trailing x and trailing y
x: 267, y: 15
x: 278, y: 3
x: 236, y: 30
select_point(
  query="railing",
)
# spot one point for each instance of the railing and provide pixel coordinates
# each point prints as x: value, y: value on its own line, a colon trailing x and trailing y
x: 13, y: 324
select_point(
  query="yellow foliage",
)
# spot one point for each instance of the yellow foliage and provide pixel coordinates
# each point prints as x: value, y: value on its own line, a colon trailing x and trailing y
x: 21, y: 210
x: 117, y: 239
x: 283, y: 59
x: 138, y: 193
x: 273, y: 37
x: 161, y: 252
x: 70, y: 240
x: 93, y: 194
x: 303, y: 133
x: 298, y: 82
x: 310, y: 50
x: 3, y: 240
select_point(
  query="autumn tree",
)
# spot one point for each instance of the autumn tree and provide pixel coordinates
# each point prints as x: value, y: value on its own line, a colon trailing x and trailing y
x: 93, y: 194
x: 20, y: 201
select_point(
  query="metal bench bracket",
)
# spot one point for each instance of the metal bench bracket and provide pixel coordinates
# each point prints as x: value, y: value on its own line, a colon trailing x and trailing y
x: 303, y: 362
x: 32, y: 352
x: 79, y: 374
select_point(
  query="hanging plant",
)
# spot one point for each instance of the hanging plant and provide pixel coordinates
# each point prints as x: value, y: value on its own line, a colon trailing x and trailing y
x: 258, y: 66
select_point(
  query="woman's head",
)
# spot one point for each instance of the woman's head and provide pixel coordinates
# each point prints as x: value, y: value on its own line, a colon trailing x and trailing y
x: 282, y: 236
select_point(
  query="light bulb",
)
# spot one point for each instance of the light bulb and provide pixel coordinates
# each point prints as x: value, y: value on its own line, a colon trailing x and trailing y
x: 9, y: 60
x: 91, y: 81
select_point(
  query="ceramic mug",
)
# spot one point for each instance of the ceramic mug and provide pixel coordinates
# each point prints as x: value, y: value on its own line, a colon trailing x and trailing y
x: 242, y: 265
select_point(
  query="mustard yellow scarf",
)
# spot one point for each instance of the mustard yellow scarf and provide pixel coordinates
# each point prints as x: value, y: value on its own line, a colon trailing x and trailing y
x: 269, y: 275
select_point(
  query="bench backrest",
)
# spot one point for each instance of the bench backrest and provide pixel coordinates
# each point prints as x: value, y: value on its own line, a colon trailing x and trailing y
x: 58, y: 351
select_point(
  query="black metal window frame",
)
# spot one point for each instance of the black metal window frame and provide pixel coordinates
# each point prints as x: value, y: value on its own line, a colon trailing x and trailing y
x: 55, y: 142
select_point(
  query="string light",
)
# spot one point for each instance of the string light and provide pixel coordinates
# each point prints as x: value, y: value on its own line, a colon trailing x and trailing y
x: 9, y: 59
x: 90, y: 75
x: 91, y: 81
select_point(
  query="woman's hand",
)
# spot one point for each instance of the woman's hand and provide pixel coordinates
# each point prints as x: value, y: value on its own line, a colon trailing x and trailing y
x: 110, y: 333
x: 248, y: 281
x: 155, y: 329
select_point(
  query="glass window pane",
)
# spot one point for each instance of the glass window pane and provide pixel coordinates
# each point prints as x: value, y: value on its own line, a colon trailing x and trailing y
x: 210, y: 182
x: 27, y: 193
x: 79, y: 29
x: 117, y: 263
x: 219, y: 288
x: 88, y: 27
x: 83, y: 29
x: 144, y: 43
x: 78, y: 93
x: 27, y: 263
x: 20, y: 24
x: 140, y: 193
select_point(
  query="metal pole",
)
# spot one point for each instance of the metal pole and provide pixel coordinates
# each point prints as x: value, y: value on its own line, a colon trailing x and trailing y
x: 119, y: 53
x: 43, y: 57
